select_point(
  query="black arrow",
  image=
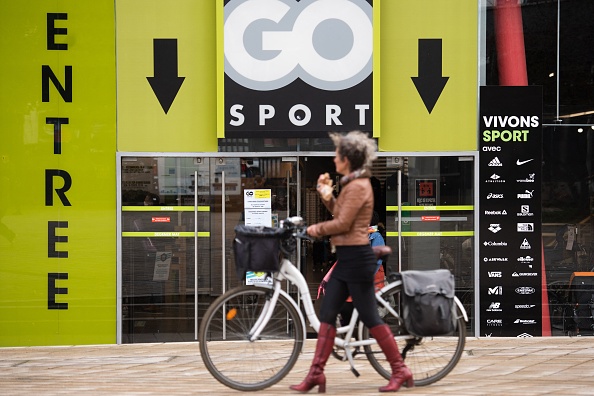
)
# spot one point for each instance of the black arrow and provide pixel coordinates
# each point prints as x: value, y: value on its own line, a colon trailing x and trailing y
x: 165, y: 82
x: 430, y: 82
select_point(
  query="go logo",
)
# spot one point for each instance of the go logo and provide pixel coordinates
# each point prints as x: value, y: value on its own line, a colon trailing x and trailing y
x: 270, y: 43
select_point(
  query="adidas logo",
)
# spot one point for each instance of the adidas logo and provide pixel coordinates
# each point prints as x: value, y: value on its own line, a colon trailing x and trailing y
x: 495, y: 162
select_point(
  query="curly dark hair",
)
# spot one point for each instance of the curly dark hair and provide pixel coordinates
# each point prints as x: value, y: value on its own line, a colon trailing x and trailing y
x: 357, y: 147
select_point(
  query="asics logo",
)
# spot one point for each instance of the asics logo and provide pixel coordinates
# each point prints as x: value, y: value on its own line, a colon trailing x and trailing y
x: 270, y: 43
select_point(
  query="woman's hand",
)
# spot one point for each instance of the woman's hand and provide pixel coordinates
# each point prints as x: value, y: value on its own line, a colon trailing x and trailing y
x: 311, y: 231
x: 324, y: 187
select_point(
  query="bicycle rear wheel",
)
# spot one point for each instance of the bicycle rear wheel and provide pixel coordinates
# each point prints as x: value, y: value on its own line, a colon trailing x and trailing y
x: 429, y: 358
x: 231, y: 357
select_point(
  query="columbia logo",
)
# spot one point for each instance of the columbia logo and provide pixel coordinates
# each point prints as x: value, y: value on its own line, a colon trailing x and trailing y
x: 495, y: 176
x: 495, y: 162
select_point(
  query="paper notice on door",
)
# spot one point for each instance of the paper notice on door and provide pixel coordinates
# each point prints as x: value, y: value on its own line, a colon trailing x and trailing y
x: 162, y: 266
x: 258, y: 217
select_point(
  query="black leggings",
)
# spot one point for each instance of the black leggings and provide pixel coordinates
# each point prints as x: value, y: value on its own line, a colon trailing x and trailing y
x: 363, y: 294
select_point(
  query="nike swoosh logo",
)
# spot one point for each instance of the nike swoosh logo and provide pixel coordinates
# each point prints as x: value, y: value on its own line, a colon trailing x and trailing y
x: 518, y: 162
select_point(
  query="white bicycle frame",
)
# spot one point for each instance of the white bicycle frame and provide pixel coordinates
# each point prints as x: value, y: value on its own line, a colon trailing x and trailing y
x: 289, y: 272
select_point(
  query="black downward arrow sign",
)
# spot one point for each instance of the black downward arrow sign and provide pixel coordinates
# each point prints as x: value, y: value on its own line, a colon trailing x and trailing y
x: 430, y: 83
x: 165, y: 83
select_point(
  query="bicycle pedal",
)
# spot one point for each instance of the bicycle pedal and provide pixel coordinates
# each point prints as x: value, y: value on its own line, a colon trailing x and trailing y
x: 354, y: 371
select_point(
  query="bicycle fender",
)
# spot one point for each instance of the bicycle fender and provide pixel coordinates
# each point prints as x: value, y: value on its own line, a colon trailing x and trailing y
x: 459, y: 304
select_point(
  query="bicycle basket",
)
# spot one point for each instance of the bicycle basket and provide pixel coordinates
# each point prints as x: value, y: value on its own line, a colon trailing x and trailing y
x: 257, y: 248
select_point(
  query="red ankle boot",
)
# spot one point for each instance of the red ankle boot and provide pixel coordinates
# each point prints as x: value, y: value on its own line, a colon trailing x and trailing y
x: 400, y: 373
x: 316, y: 375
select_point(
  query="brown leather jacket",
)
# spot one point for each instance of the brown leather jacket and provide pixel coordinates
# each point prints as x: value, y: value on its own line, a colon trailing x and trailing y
x: 352, y: 213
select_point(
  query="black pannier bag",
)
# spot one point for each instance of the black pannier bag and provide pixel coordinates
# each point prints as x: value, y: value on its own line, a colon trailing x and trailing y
x: 428, y: 302
x: 257, y: 248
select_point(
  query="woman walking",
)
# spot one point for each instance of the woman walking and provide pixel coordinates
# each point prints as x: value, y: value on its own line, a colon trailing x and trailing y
x: 354, y: 273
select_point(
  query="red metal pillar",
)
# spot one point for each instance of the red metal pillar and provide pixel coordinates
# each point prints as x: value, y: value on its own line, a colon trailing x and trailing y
x: 509, y: 35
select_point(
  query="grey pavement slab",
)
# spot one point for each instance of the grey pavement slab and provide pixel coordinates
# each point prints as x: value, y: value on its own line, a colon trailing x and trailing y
x: 489, y: 366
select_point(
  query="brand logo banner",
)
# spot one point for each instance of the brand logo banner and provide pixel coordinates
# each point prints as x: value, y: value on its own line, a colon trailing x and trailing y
x: 297, y: 68
x: 510, y: 216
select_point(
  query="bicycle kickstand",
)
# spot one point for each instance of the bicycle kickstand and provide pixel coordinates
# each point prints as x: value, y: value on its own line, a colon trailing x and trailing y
x: 349, y: 356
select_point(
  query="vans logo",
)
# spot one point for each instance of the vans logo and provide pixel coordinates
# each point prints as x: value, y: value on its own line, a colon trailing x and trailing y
x: 494, y: 274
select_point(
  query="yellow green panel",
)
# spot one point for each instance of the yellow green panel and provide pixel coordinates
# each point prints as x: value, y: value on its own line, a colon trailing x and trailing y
x: 190, y: 122
x: 220, y: 68
x: 406, y: 124
x: 86, y: 156
x: 431, y: 233
x: 173, y: 234
x: 430, y: 208
x: 164, y: 208
x: 376, y: 69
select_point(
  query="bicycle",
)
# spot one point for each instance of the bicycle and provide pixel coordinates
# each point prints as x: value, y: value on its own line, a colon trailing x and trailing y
x: 264, y: 332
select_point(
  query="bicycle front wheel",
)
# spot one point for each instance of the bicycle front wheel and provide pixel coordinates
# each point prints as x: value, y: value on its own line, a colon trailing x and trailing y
x: 225, y: 345
x: 429, y: 358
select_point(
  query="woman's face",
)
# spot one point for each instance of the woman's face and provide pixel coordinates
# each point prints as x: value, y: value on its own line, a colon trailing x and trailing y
x: 343, y: 166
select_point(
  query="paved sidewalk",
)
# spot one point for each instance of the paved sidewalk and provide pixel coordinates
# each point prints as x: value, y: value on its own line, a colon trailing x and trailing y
x: 489, y: 366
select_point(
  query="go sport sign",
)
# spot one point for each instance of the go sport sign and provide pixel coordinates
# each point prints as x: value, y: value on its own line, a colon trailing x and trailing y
x: 297, y: 68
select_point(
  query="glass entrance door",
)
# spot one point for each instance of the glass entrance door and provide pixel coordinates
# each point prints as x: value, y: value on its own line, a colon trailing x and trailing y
x: 165, y: 225
x: 177, y: 222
